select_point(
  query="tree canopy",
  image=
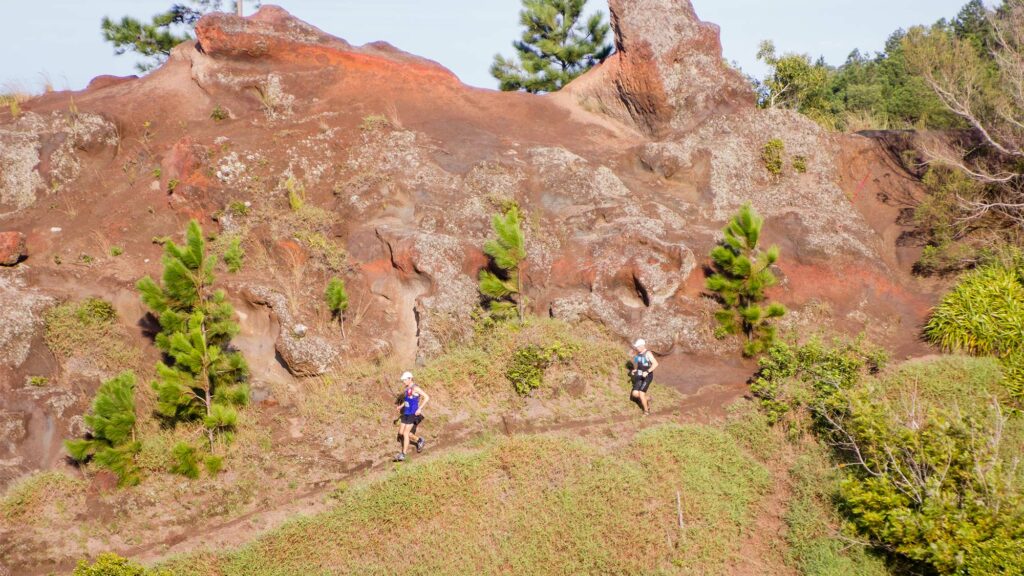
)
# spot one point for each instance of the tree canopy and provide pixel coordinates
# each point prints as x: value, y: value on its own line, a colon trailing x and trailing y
x: 556, y: 46
x: 154, y: 40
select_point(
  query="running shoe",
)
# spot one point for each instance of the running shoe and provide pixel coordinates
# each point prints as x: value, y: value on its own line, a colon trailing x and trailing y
x: 420, y: 444
x: 400, y: 457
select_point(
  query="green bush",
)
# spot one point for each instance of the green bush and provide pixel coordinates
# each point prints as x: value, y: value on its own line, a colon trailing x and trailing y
x: 110, y: 564
x: 771, y: 155
x: 234, y: 255
x: 219, y: 113
x: 984, y: 314
x: 336, y: 297
x: 800, y: 164
x: 927, y: 452
x: 528, y: 364
x: 791, y: 377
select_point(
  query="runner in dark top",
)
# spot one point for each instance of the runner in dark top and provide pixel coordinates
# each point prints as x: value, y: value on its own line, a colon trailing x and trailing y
x: 414, y: 399
x: 644, y: 364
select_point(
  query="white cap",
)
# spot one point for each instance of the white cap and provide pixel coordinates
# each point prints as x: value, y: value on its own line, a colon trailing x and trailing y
x: 640, y: 343
x: 406, y: 376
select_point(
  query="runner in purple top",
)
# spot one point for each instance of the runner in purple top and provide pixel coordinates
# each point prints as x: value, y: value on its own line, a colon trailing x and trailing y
x: 414, y: 399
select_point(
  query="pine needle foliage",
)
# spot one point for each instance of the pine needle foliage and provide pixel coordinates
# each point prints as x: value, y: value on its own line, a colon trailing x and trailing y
x: 234, y: 255
x: 336, y: 297
x: 111, y: 441
x: 503, y: 287
x: 202, y: 378
x: 555, y: 47
x: 742, y: 274
x: 154, y: 40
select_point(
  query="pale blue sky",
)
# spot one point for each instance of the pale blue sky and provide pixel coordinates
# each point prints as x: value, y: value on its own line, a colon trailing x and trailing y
x: 60, y: 39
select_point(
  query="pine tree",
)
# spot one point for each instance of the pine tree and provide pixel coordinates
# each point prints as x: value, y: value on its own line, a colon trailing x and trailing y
x: 111, y: 442
x: 337, y: 300
x: 742, y: 274
x: 203, y: 378
x: 155, y: 39
x: 555, y: 47
x: 504, y: 287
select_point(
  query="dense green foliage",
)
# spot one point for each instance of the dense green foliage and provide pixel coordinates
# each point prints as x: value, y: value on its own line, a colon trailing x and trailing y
x: 111, y: 442
x: 876, y: 91
x: 336, y: 297
x: 742, y: 274
x: 984, y: 314
x: 503, y: 286
x: 772, y: 156
x: 233, y: 255
x: 927, y: 451
x: 110, y: 564
x: 154, y: 40
x: 526, y: 367
x: 202, y: 378
x: 555, y: 46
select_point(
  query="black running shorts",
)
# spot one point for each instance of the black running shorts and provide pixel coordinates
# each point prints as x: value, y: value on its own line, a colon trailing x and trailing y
x: 411, y: 419
x: 641, y: 383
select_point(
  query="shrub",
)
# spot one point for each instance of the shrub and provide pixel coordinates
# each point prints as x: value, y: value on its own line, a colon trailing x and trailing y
x: 116, y: 251
x: 528, y: 364
x: 771, y: 156
x: 89, y: 329
x: 374, y: 122
x: 742, y: 274
x: 927, y: 453
x: 111, y: 442
x: 296, y: 193
x: 110, y: 564
x: 329, y: 254
x: 233, y: 255
x: 337, y: 300
x: 800, y: 164
x: 984, y: 314
x: 948, y: 248
x: 219, y: 113
x: 238, y: 208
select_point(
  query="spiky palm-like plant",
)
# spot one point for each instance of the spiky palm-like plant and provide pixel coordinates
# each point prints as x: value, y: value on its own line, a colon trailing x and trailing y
x: 504, y: 289
x: 984, y: 315
x: 742, y: 274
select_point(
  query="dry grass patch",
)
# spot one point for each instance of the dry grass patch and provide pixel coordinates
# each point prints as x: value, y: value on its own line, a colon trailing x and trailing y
x: 42, y: 498
x: 527, y: 505
x: 88, y: 330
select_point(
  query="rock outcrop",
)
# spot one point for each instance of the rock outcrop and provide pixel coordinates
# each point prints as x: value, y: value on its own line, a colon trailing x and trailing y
x: 324, y: 159
x: 12, y: 248
x: 667, y: 73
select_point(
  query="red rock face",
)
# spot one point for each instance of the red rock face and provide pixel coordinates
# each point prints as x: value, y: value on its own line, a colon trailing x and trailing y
x: 12, y: 248
x: 274, y: 34
x: 667, y: 74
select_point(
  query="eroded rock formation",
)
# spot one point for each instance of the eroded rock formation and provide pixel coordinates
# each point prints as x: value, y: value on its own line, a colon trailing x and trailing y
x: 325, y: 159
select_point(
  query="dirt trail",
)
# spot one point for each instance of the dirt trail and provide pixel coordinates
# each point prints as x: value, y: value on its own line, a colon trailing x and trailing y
x: 706, y: 404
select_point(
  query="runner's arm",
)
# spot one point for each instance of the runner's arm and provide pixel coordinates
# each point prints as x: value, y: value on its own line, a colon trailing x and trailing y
x: 654, y: 361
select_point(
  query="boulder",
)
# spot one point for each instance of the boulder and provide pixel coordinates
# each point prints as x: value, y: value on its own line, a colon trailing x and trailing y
x: 12, y: 248
x: 302, y: 353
